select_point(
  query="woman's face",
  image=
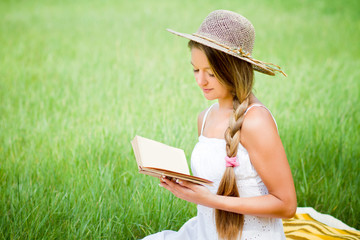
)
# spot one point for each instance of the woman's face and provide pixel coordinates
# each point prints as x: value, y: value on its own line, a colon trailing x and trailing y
x: 205, y: 77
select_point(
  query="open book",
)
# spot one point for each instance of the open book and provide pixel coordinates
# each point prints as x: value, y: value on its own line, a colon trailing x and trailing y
x: 156, y: 159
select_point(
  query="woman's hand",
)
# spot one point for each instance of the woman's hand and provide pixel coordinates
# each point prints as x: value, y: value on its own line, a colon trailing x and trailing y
x: 187, y: 191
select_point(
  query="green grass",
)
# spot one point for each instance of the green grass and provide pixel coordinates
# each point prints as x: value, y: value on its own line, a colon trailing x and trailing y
x: 79, y: 79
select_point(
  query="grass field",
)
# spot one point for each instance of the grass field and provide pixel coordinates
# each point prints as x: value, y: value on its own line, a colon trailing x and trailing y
x: 78, y: 80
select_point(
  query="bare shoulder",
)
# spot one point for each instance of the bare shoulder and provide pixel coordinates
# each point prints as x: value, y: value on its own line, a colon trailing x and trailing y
x: 200, y: 120
x: 258, y: 123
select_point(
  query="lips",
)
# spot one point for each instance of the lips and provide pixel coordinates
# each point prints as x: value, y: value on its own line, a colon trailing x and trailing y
x: 207, y: 90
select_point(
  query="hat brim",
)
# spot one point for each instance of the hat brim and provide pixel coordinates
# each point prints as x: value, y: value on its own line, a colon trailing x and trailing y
x: 257, y: 66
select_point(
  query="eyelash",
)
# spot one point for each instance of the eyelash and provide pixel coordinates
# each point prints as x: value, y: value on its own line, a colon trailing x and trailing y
x: 210, y: 74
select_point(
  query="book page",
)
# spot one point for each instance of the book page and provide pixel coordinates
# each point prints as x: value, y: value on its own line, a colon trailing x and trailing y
x: 158, y: 155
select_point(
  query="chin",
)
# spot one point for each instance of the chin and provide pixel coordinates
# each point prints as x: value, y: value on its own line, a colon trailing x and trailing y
x: 210, y: 97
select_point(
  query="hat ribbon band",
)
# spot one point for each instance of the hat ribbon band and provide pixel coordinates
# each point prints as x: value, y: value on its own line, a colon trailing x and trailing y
x: 239, y: 51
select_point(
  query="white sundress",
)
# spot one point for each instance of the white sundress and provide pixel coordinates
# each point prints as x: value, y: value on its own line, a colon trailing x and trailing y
x: 207, y: 161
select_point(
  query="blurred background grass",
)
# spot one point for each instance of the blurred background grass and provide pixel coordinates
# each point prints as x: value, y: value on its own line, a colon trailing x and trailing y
x: 78, y: 79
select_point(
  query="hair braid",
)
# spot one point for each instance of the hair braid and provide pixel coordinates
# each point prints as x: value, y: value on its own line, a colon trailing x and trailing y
x: 228, y: 186
x: 232, y: 134
x: 238, y: 76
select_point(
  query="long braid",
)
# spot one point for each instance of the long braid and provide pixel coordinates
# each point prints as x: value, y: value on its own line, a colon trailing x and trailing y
x: 232, y: 134
x: 238, y: 76
x: 230, y: 224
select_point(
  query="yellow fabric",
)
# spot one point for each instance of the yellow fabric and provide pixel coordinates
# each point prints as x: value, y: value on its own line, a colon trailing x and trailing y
x: 303, y: 227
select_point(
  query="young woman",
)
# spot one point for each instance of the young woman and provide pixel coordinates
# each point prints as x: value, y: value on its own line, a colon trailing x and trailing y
x: 239, y: 148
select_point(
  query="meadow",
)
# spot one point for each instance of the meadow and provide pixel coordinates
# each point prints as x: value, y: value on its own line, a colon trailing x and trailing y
x: 79, y: 79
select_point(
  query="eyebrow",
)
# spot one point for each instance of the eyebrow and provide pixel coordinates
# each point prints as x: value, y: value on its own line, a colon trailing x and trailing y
x: 204, y: 68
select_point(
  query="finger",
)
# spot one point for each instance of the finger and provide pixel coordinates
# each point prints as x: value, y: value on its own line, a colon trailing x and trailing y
x: 182, y: 183
x: 170, y: 184
x: 185, y: 183
x: 163, y: 184
x: 163, y: 178
x: 166, y: 186
x: 174, y: 187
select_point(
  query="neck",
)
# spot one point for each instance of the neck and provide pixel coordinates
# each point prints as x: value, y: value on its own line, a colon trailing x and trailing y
x: 225, y: 103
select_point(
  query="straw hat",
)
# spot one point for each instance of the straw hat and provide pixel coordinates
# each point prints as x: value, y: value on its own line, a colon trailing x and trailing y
x: 231, y: 33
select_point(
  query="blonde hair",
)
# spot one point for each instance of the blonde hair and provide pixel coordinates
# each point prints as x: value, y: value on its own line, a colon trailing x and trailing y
x: 238, y: 76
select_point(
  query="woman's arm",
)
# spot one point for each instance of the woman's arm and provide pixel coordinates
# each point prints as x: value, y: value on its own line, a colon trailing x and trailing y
x: 259, y: 136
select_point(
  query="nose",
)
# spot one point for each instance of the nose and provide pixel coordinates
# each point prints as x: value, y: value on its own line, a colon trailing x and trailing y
x: 201, y: 78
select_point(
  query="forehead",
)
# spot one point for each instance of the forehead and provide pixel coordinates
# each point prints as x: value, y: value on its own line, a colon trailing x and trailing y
x: 199, y: 59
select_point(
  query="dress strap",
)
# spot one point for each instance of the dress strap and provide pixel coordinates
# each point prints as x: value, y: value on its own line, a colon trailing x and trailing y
x: 206, y: 113
x: 260, y: 105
